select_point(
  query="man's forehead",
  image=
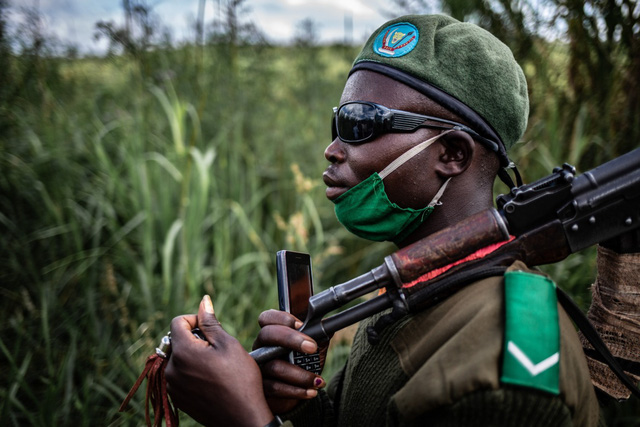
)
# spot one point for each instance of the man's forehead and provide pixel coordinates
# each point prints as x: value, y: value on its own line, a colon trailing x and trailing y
x: 364, y: 85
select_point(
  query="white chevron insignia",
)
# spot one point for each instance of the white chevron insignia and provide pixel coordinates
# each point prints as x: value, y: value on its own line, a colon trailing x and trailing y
x: 528, y: 364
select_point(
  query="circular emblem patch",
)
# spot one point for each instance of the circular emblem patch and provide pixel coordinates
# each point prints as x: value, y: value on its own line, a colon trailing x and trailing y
x: 396, y: 40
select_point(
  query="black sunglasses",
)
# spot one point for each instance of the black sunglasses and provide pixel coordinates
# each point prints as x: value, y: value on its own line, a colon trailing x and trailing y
x: 359, y: 121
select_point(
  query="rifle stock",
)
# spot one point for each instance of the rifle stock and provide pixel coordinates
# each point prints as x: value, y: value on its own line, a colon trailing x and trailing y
x: 449, y: 245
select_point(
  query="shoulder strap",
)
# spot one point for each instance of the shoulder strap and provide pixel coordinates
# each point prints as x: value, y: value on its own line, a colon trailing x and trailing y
x: 591, y: 334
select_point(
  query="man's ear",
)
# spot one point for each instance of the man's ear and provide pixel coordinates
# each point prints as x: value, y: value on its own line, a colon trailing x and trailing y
x: 456, y: 151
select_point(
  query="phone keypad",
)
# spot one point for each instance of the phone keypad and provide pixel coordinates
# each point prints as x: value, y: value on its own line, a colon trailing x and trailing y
x: 310, y: 362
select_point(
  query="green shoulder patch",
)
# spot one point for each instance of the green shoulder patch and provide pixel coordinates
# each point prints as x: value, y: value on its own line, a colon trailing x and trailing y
x: 532, y: 333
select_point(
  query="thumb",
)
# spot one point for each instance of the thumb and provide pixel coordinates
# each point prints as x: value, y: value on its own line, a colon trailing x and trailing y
x: 207, y: 321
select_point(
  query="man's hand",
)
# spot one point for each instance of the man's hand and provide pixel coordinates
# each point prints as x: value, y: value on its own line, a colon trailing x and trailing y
x: 286, y: 384
x: 215, y: 381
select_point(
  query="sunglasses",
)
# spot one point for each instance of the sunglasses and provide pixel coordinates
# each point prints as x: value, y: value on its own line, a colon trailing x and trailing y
x: 359, y: 121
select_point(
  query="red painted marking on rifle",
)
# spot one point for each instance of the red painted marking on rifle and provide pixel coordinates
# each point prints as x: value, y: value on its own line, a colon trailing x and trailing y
x: 480, y: 253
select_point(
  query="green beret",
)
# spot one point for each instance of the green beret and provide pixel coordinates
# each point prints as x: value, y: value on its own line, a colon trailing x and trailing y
x: 459, y: 65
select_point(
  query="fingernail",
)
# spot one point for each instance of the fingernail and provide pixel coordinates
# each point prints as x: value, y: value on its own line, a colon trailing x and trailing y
x: 308, y: 346
x: 298, y: 324
x: 312, y: 392
x: 318, y: 382
x: 208, y: 306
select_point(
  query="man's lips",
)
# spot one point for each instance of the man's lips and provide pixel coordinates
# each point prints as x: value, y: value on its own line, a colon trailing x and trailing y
x: 335, y: 188
x: 333, y: 193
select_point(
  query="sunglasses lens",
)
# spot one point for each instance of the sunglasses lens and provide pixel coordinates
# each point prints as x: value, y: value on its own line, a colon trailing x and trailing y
x: 355, y: 122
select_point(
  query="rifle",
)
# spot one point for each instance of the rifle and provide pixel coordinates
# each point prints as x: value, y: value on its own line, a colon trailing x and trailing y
x: 538, y: 223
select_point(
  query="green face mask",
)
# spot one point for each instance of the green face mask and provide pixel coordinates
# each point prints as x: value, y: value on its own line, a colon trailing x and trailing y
x: 366, y: 211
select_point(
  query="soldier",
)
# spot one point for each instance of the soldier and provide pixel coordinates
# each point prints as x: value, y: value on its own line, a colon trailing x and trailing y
x: 427, y: 115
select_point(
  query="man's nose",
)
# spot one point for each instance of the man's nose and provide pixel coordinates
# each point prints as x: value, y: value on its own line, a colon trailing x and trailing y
x: 335, y: 151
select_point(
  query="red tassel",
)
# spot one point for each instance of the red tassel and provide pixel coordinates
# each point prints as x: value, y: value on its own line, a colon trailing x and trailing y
x: 156, y: 393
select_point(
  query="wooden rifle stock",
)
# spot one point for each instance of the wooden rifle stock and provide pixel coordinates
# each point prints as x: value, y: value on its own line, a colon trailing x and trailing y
x: 449, y: 245
x: 544, y: 245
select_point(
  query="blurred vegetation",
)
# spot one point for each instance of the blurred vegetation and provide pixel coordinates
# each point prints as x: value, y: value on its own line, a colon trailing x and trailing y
x: 135, y: 182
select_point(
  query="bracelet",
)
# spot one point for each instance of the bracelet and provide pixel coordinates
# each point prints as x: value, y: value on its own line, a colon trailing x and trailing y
x: 275, y: 422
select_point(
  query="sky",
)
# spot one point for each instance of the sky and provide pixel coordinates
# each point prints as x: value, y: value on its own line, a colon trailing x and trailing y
x: 74, y: 20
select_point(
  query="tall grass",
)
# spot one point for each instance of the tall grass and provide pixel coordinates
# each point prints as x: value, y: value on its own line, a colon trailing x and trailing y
x: 124, y: 197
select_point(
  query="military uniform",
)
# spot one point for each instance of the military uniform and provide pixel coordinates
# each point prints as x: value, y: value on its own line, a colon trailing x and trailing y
x: 443, y: 366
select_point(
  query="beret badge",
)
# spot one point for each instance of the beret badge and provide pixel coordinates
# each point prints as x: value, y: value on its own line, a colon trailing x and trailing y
x: 396, y: 40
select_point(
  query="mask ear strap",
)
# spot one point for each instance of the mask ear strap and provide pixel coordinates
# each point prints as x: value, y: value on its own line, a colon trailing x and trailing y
x: 409, y: 154
x: 436, y: 198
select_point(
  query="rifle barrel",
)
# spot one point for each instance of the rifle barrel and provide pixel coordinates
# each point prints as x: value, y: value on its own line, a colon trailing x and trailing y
x: 606, y: 172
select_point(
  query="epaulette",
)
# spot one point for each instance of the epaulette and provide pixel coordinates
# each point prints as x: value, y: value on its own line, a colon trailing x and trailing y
x: 531, y: 356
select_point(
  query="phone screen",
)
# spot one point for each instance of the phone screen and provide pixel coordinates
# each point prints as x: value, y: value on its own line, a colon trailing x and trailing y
x: 299, y: 280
